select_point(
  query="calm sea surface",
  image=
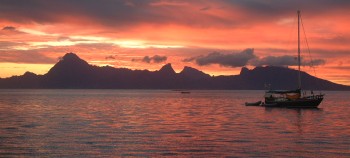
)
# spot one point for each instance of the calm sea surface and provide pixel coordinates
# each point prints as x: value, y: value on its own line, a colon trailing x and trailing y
x: 157, y: 123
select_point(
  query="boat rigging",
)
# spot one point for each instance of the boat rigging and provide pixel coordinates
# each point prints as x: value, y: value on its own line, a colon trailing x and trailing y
x: 293, y: 98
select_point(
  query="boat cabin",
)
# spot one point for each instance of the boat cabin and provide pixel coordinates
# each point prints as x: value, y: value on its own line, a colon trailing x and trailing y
x: 280, y: 95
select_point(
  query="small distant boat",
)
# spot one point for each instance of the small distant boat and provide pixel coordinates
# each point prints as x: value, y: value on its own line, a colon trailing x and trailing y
x: 185, y: 92
x: 258, y: 103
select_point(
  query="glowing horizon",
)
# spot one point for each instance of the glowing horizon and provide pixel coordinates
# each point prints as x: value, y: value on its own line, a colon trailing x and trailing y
x: 211, y: 36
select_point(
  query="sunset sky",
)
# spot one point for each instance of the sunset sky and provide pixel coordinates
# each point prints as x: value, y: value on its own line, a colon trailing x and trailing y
x: 217, y: 37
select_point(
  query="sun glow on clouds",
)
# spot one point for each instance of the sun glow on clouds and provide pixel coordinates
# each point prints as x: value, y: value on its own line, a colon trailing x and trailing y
x: 11, y: 69
x: 140, y: 44
x: 36, y: 32
x: 126, y: 30
x: 100, y: 40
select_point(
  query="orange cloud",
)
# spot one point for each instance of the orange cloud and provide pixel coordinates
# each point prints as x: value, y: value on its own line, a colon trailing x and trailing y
x: 38, y: 32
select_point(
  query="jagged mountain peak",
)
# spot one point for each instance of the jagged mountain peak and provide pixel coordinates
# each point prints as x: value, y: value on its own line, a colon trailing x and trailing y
x: 187, y: 68
x: 70, y: 56
x: 70, y: 63
x: 244, y: 70
x: 193, y: 73
x: 167, y: 68
x: 72, y: 59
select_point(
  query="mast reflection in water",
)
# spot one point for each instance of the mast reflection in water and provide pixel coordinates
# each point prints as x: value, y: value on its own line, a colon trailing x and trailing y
x: 155, y: 123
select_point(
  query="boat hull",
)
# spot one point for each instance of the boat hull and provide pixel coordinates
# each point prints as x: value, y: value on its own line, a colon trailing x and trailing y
x: 298, y: 103
x: 293, y: 98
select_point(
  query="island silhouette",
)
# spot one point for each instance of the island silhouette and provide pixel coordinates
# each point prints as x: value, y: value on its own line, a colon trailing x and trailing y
x: 71, y: 72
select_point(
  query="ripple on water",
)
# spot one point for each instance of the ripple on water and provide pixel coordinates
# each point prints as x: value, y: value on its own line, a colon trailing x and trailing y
x: 157, y: 123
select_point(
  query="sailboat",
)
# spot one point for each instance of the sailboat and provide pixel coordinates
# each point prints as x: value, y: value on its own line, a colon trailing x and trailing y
x: 293, y: 98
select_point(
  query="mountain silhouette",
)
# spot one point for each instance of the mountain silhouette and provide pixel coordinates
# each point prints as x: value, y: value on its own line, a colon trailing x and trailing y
x: 69, y: 72
x: 192, y: 73
x: 73, y: 72
x: 167, y: 70
x: 284, y: 78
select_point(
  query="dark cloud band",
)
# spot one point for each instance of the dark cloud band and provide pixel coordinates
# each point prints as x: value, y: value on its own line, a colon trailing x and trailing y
x: 227, y: 60
x: 130, y: 12
x: 153, y: 59
x: 247, y: 57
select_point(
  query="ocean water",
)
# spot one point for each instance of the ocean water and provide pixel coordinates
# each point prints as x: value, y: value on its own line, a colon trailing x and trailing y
x: 157, y: 123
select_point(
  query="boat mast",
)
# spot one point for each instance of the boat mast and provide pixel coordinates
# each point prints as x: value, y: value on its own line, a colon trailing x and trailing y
x: 299, y: 77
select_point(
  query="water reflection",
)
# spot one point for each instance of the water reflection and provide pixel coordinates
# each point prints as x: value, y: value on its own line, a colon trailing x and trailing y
x: 97, y: 123
x: 297, y: 118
